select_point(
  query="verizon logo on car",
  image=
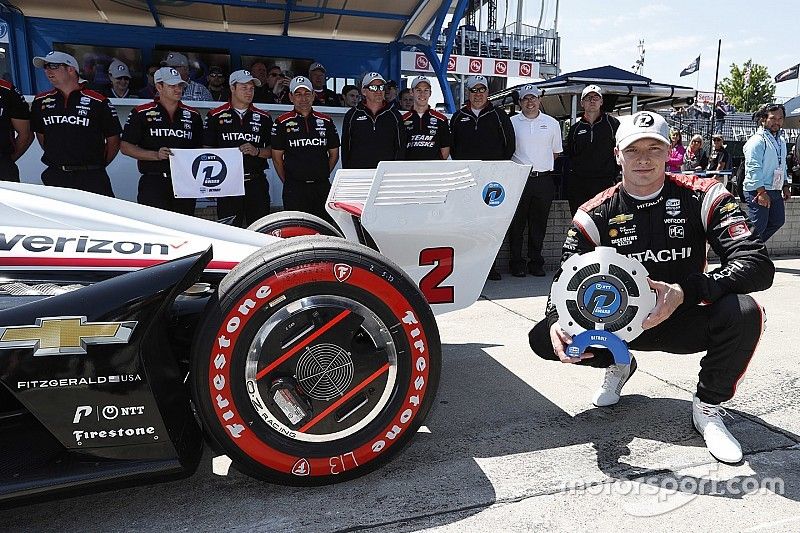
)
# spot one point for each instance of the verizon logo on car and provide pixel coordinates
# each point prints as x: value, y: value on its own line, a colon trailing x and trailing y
x: 82, y: 244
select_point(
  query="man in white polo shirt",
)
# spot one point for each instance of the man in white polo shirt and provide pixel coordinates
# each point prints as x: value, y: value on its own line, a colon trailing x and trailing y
x: 538, y: 143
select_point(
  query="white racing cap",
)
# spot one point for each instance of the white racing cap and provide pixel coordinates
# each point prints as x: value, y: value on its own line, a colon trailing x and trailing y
x: 642, y: 125
x: 298, y: 82
x: 56, y: 57
x: 243, y: 76
x: 529, y: 89
x: 591, y: 89
x: 420, y: 79
x: 472, y: 81
x: 369, y: 77
x: 168, y: 75
x: 118, y: 69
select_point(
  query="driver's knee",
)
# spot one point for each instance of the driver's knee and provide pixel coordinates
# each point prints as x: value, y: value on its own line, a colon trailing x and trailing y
x: 539, y: 339
x: 736, y: 311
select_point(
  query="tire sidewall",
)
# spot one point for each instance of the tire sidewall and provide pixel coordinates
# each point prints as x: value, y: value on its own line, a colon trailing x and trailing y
x: 260, y: 450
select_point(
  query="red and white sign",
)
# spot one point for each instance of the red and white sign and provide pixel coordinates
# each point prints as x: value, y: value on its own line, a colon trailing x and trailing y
x: 418, y: 62
x: 452, y: 63
x: 475, y: 65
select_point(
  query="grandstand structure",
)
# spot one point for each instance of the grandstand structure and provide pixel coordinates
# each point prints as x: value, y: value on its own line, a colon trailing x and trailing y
x: 350, y: 37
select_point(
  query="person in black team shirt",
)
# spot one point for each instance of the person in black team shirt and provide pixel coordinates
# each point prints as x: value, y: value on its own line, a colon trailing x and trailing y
x: 372, y: 131
x: 482, y: 131
x: 77, y: 128
x: 322, y: 95
x: 15, y: 130
x: 666, y: 221
x: 152, y: 129
x: 590, y: 149
x: 428, y: 130
x: 239, y: 124
x: 305, y: 148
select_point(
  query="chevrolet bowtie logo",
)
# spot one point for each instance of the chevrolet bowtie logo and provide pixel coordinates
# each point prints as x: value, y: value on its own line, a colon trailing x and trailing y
x: 65, y: 335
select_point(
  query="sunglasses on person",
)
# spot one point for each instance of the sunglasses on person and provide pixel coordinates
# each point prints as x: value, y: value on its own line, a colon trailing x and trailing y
x: 592, y: 98
x: 53, y: 66
x: 216, y: 76
x: 479, y: 90
x: 376, y: 88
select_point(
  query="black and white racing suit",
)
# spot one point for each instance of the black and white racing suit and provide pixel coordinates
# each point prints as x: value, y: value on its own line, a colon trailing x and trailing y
x: 668, y: 234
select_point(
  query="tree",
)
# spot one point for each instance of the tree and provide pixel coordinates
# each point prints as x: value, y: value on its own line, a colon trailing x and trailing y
x: 749, y: 87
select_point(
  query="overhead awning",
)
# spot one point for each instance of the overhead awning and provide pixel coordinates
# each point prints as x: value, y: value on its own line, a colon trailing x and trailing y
x: 619, y: 88
x: 355, y: 20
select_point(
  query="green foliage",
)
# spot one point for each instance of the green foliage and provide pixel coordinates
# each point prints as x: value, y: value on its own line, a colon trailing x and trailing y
x: 748, y: 93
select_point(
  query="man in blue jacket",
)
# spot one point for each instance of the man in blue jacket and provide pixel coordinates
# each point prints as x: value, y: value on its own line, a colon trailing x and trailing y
x: 766, y: 183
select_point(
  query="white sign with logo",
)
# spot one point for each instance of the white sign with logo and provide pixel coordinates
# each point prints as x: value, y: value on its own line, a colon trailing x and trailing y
x: 207, y: 172
x: 505, y: 68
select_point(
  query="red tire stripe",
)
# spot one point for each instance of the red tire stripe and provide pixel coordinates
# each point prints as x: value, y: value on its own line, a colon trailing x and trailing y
x: 294, y: 231
x: 269, y: 368
x: 335, y: 405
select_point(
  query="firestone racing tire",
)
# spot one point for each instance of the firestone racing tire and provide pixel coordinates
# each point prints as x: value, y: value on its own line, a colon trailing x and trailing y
x: 318, y: 362
x: 287, y: 224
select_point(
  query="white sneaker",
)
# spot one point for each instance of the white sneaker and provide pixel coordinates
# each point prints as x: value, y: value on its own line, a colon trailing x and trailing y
x: 616, y: 377
x: 707, y: 419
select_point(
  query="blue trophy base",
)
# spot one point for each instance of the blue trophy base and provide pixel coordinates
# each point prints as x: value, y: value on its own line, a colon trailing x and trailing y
x: 603, y: 339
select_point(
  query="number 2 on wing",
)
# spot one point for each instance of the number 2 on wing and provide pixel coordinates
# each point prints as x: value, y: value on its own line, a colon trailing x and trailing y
x: 442, y: 259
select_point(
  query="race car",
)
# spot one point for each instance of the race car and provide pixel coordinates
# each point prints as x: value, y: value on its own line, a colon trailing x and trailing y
x: 128, y: 334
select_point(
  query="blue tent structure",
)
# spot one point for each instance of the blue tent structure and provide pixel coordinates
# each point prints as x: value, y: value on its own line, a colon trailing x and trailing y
x: 622, y: 92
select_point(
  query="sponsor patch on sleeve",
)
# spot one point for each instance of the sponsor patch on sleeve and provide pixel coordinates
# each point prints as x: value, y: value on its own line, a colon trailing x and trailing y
x: 739, y: 230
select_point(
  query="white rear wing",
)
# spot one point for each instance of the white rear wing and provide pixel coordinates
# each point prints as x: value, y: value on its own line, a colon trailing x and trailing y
x: 442, y: 222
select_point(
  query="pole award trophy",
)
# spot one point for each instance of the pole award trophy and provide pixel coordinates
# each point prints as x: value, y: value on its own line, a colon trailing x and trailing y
x: 602, y: 299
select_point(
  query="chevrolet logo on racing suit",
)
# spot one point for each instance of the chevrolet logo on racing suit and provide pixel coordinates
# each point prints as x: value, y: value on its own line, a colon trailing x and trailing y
x: 66, y: 335
x: 620, y: 219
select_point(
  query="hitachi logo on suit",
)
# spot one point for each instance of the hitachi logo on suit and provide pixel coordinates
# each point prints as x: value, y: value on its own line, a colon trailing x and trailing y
x: 236, y: 136
x: 60, y: 119
x: 295, y: 143
x: 167, y: 132
x: 661, y: 256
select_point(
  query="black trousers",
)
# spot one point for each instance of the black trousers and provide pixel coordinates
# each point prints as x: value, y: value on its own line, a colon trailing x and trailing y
x: 533, y: 211
x: 728, y: 330
x: 580, y: 190
x: 307, y: 197
x: 155, y: 190
x: 248, y: 208
x: 8, y: 169
x: 95, y: 181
